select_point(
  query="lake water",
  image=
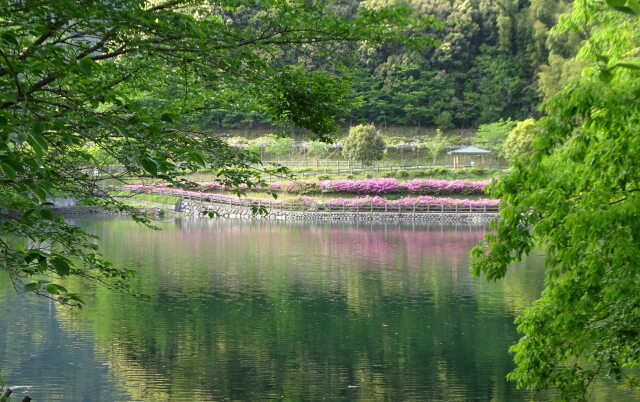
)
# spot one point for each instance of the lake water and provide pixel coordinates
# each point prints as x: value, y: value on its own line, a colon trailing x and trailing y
x: 267, y: 311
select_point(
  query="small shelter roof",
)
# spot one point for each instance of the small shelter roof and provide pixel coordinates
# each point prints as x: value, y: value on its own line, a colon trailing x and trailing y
x: 470, y: 151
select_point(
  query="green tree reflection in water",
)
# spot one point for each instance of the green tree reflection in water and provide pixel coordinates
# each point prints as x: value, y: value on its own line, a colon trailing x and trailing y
x: 257, y: 311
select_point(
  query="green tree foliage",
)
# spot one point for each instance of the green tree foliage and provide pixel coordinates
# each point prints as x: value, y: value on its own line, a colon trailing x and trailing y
x: 126, y: 79
x: 278, y: 145
x: 435, y: 145
x: 364, y: 143
x: 518, y: 142
x: 496, y: 82
x: 557, y: 74
x: 577, y: 197
x: 309, y: 100
x: 485, y: 67
x: 493, y: 135
x: 444, y: 120
x: 318, y: 148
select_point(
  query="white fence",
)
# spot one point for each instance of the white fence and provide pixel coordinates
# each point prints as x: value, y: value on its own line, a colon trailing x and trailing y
x: 344, y: 206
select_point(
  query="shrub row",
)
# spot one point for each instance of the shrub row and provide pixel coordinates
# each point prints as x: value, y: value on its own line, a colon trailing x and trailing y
x: 311, y: 201
x: 366, y: 186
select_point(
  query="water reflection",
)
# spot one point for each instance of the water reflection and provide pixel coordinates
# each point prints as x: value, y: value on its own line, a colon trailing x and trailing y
x: 260, y: 311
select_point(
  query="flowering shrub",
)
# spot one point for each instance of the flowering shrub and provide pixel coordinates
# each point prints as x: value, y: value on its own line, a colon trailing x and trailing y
x: 312, y: 202
x: 377, y: 186
x: 411, y: 201
x: 416, y: 186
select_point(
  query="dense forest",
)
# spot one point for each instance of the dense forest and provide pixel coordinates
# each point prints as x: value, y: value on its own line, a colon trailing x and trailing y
x: 492, y: 60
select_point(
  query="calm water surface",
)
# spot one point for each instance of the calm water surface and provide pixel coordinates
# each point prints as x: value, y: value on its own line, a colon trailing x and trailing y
x: 263, y: 311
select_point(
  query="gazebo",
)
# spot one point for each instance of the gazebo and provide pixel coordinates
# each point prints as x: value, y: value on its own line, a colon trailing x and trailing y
x: 471, y: 151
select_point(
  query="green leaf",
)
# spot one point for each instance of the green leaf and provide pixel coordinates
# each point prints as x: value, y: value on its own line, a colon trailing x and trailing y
x: 8, y: 170
x: 10, y: 38
x: 616, y: 3
x: 166, y: 117
x: 626, y: 10
x: 635, y: 5
x: 52, y: 289
x: 38, y: 191
x: 61, y: 266
x: 150, y: 166
x: 75, y: 297
x: 46, y: 214
x: 39, y: 140
x: 122, y: 130
x: 35, y: 146
x: 198, y: 158
x: 605, y: 76
x: 85, y: 65
x: 30, y: 287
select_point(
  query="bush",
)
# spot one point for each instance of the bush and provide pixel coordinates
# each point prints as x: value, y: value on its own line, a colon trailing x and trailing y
x: 318, y: 148
x: 519, y: 140
x: 237, y: 140
x: 364, y: 143
x: 476, y: 171
x: 277, y: 145
x: 401, y: 174
x: 323, y: 177
x: 394, y: 140
x: 301, y: 187
x: 304, y: 170
x: 419, y: 173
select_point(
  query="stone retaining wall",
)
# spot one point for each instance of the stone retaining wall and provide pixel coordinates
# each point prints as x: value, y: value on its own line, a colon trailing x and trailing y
x: 200, y: 208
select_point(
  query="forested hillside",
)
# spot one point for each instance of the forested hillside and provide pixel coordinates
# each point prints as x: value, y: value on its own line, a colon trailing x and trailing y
x: 494, y: 59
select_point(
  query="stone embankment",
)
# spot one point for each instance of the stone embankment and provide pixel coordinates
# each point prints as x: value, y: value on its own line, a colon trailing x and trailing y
x: 200, y: 207
x: 70, y: 206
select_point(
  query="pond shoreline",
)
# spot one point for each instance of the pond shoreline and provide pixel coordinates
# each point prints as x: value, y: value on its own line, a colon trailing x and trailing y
x: 200, y: 207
